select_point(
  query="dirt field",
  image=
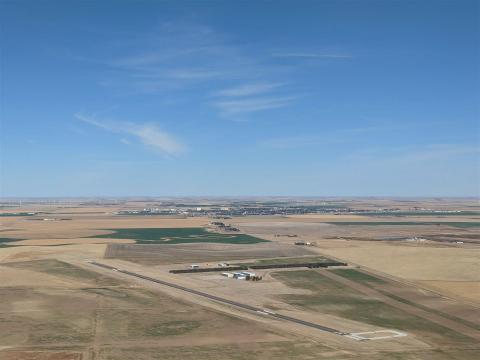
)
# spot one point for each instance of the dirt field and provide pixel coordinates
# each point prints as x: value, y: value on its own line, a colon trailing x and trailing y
x: 435, y: 267
x: 184, y: 253
x: 43, y: 316
x: 448, y: 267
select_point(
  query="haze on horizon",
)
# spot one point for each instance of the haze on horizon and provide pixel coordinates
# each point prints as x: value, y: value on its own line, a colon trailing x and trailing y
x: 312, y: 98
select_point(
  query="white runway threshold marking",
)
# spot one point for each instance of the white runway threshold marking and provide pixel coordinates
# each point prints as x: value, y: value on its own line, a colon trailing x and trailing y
x: 377, y: 335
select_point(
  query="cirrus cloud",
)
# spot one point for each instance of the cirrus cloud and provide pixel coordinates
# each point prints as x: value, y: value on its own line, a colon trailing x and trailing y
x: 148, y: 134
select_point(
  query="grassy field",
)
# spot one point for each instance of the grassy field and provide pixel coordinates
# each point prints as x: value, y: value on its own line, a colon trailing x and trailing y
x: 356, y: 275
x: 378, y: 284
x: 178, y: 236
x: 161, y: 254
x: 17, y: 214
x: 281, y: 350
x: 457, y: 224
x: 55, y: 267
x: 331, y: 297
x: 88, y: 313
x: 7, y: 242
x: 277, y: 351
x: 122, y: 321
x: 289, y: 260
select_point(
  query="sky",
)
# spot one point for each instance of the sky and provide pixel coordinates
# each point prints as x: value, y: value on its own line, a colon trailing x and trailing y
x: 239, y: 98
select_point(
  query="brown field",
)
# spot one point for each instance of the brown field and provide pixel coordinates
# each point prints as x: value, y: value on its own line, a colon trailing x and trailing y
x: 57, y: 306
x: 445, y: 267
x: 86, y: 225
x: 431, y: 267
x: 44, y: 316
x: 186, y: 253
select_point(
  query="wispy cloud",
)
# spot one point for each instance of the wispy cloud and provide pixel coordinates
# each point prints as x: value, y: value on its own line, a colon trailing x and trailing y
x: 182, y: 59
x: 312, y: 55
x: 177, y: 55
x: 248, y: 105
x: 147, y: 133
x: 249, y: 89
x: 250, y: 97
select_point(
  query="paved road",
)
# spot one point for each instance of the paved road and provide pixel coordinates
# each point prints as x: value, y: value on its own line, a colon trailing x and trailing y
x: 225, y: 301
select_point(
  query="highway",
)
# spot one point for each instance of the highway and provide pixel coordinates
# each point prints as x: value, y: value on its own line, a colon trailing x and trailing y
x: 225, y: 301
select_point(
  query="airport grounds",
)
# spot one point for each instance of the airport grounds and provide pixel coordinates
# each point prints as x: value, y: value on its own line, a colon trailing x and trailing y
x: 404, y: 285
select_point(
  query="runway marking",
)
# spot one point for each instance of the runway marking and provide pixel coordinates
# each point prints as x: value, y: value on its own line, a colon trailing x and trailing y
x: 360, y: 336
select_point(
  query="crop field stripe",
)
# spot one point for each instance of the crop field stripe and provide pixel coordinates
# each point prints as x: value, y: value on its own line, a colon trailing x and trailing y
x: 418, y: 213
x: 407, y: 308
x: 428, y: 309
x: 368, y: 279
x: 459, y: 224
x: 225, y: 301
x: 149, y: 236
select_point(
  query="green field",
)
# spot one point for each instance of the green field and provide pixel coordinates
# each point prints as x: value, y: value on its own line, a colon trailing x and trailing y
x: 17, y: 214
x: 178, y: 236
x: 287, y: 260
x: 330, y: 297
x: 376, y: 283
x: 356, y: 275
x: 458, y: 224
x: 6, y: 242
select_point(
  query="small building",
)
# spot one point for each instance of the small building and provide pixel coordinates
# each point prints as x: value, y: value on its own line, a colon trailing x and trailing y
x: 248, y: 273
x: 230, y: 228
x: 237, y: 275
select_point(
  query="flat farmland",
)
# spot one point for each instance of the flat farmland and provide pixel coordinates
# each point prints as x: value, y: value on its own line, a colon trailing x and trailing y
x: 430, y: 266
x: 375, y: 229
x: 184, y: 253
x: 455, y: 224
x: 426, y: 300
x: 333, y: 297
x: 118, y: 320
x: 289, y: 260
x: 179, y: 236
x: 45, y: 278
x: 87, y: 224
x: 441, y: 257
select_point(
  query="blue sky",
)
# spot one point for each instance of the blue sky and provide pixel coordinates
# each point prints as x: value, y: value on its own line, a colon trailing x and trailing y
x: 324, y: 98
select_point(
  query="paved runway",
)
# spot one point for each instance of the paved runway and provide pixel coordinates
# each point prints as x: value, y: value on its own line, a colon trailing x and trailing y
x: 225, y: 301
